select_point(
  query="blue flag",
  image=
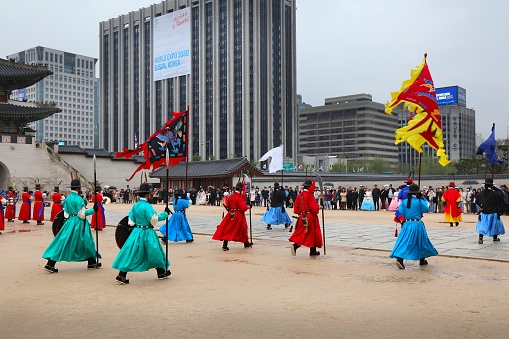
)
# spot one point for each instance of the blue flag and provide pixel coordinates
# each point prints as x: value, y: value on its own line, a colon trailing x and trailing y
x: 489, y: 147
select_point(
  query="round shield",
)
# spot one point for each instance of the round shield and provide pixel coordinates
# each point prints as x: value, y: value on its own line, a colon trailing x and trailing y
x: 122, y: 232
x: 107, y: 200
x: 58, y: 222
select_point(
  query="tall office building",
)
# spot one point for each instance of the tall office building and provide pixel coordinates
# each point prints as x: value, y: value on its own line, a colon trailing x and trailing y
x: 353, y: 127
x: 458, y: 127
x: 70, y: 87
x: 241, y: 90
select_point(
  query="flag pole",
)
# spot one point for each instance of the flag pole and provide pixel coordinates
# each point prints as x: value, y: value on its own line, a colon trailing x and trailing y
x: 96, y: 215
x: 167, y: 200
x: 250, y: 222
x: 420, y: 165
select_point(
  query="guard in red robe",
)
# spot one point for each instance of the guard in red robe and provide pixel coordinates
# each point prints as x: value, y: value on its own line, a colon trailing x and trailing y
x: 307, y: 230
x: 25, y: 210
x: 10, y: 211
x: 38, y: 205
x: 234, y: 225
x: 451, y: 199
x: 98, y: 219
x: 57, y: 199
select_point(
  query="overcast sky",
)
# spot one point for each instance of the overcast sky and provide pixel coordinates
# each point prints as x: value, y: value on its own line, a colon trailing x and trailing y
x: 343, y: 46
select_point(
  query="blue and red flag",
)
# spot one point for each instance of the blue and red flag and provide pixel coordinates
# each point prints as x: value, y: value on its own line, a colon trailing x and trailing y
x: 489, y: 147
x: 172, y: 136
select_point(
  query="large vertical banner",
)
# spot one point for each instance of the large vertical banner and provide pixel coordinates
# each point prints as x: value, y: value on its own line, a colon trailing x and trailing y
x: 172, y: 44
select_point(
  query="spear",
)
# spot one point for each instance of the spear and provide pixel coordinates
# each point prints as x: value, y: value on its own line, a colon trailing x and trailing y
x: 320, y: 182
x: 167, y: 191
x: 96, y: 214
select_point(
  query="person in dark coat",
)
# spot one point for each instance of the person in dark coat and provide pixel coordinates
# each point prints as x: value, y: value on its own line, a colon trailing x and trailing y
x: 490, y: 200
x: 376, y: 197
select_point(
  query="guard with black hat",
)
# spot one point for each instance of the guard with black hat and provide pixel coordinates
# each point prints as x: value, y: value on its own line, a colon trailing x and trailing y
x: 98, y: 221
x: 74, y: 241
x: 38, y: 205
x: 307, y: 229
x: 142, y: 250
x: 25, y: 210
x: 178, y: 225
x: 10, y: 211
x: 233, y: 227
x: 413, y: 242
x: 276, y: 214
x: 57, y: 199
x: 489, y: 222
x: 452, y: 210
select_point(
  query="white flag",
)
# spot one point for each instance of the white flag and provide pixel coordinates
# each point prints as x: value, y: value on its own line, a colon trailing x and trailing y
x: 276, y: 163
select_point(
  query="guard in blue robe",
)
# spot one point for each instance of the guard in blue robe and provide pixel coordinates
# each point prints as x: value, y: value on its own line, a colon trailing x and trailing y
x: 74, y: 241
x: 178, y: 226
x: 142, y: 250
x: 276, y: 213
x: 413, y: 242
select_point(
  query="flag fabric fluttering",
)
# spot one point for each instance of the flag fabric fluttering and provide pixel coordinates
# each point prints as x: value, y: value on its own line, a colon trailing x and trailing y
x: 172, y: 136
x: 419, y: 97
x: 489, y: 147
x: 276, y: 162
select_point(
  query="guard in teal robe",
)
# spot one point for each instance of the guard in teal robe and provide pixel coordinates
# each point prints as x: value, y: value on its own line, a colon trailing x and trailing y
x: 74, y: 242
x: 142, y: 250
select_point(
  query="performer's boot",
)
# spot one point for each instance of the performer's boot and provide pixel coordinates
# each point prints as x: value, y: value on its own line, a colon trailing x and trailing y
x: 92, y: 263
x: 399, y: 263
x: 313, y: 251
x: 10, y: 220
x: 269, y: 227
x: 121, y: 278
x: 287, y: 225
x: 39, y: 222
x: 293, y: 249
x: 225, y: 245
x: 480, y: 241
x: 26, y: 222
x: 423, y: 262
x: 190, y: 240
x: 50, y: 266
x: 496, y: 238
x: 451, y: 224
x: 164, y: 240
x: 457, y: 223
x: 162, y: 273
x: 248, y: 244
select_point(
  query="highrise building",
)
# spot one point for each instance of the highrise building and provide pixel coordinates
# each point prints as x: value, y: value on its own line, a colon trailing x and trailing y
x: 70, y: 87
x: 458, y: 127
x: 352, y: 127
x: 241, y: 90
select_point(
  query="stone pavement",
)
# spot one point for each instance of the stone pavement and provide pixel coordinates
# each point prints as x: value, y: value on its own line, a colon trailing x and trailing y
x: 452, y: 242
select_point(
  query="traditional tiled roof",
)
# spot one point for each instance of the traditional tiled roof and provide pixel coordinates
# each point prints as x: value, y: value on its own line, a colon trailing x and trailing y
x: 201, y: 169
x: 88, y: 152
x: 31, y: 112
x: 15, y: 75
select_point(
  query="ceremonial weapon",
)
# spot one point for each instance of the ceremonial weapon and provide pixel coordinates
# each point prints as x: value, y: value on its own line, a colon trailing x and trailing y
x: 167, y: 200
x: 96, y: 215
x: 320, y: 183
x: 250, y: 206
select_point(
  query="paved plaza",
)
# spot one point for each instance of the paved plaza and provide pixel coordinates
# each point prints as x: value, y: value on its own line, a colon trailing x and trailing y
x: 369, y: 234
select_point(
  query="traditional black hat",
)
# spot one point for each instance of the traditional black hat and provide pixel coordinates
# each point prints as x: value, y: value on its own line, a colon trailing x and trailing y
x: 307, y: 183
x: 56, y: 189
x: 37, y: 186
x: 144, y: 189
x: 97, y: 188
x: 239, y: 186
x: 75, y: 184
x: 25, y: 189
x: 180, y: 192
x: 488, y: 182
x: 276, y: 185
x: 10, y: 188
x: 414, y: 189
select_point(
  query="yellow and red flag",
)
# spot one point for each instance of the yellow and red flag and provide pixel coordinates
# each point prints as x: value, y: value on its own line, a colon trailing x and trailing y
x: 418, y: 96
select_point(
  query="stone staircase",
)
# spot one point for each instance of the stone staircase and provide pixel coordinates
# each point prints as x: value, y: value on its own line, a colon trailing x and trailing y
x: 69, y: 169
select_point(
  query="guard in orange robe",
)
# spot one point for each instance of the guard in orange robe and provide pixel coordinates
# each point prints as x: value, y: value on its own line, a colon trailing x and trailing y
x: 98, y: 218
x: 38, y: 205
x: 451, y: 199
x: 10, y: 211
x: 307, y: 230
x: 234, y: 224
x: 57, y: 199
x: 25, y: 210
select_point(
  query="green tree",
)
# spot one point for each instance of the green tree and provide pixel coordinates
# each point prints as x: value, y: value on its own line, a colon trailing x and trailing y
x: 196, y: 157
